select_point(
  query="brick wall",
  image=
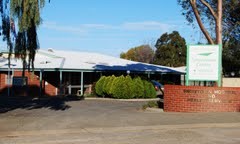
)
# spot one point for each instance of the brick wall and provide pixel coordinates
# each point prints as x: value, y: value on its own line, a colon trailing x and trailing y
x: 33, y: 85
x: 201, y: 99
x: 2, y: 80
x: 50, y: 89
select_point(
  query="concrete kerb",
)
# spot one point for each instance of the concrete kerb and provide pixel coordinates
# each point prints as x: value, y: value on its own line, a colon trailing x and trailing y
x: 84, y: 98
x: 127, y: 100
x: 154, y: 110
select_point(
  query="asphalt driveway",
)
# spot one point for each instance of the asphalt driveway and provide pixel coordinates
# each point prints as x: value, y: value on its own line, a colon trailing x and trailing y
x: 29, y: 121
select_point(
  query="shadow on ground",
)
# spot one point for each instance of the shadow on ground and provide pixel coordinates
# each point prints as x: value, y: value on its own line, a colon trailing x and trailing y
x: 160, y: 104
x: 29, y: 103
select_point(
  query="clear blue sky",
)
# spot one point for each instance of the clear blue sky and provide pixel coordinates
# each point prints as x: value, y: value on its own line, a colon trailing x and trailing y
x: 110, y: 26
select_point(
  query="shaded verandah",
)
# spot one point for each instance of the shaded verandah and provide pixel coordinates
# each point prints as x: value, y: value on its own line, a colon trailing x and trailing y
x: 81, y: 82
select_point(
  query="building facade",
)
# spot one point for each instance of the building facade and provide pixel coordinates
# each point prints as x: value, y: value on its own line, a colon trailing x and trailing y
x: 71, y: 73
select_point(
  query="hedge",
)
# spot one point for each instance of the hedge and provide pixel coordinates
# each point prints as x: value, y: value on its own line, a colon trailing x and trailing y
x: 99, y: 86
x: 120, y: 89
x: 108, y: 85
x: 149, y: 90
x: 138, y: 88
x: 124, y: 87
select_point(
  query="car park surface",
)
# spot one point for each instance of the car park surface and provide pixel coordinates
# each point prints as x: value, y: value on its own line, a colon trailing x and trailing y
x: 112, y: 121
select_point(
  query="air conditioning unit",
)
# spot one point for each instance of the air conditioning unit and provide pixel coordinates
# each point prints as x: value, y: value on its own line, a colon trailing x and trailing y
x: 78, y: 92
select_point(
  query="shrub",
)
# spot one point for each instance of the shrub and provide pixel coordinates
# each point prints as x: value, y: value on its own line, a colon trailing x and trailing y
x: 151, y: 104
x: 108, y: 85
x: 129, y: 86
x: 99, y: 86
x: 104, y: 85
x: 113, y: 86
x: 120, y: 88
x: 124, y: 87
x: 117, y: 87
x: 138, y: 88
x: 149, y: 90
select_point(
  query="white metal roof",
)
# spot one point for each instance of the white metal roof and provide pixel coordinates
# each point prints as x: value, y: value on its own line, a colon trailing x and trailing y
x: 86, y: 61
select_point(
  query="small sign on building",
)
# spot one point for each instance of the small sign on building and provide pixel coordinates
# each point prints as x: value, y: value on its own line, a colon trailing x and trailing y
x: 204, y: 63
x: 20, y: 81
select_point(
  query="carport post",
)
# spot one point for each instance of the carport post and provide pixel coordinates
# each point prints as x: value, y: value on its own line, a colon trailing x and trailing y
x: 69, y: 89
x: 8, y: 80
x: 41, y: 71
x: 82, y: 83
x: 60, y: 83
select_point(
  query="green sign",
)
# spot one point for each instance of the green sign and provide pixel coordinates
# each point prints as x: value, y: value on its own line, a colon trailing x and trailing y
x: 204, y: 63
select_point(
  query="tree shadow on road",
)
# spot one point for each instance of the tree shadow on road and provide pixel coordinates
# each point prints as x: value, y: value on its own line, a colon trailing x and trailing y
x: 29, y: 103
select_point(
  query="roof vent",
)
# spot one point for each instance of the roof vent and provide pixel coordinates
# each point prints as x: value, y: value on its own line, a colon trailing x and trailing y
x: 50, y: 50
x: 45, y: 62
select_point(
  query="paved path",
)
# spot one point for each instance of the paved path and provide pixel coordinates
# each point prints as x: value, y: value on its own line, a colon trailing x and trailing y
x: 115, y: 122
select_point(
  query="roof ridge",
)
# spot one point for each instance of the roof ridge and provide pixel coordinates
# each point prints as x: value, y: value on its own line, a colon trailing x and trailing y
x: 50, y: 55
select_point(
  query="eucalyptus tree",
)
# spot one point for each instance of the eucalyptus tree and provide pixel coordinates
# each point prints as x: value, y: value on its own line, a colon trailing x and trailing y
x: 207, y: 13
x: 219, y: 20
x: 23, y: 41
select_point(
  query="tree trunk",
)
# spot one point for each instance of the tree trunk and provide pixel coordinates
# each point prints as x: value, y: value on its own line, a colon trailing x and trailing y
x: 219, y: 32
x: 219, y: 23
x: 199, y: 21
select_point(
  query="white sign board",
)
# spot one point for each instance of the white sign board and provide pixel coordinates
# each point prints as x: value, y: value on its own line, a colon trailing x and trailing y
x: 204, y: 62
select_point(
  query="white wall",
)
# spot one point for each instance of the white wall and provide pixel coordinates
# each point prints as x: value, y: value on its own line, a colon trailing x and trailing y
x: 231, y: 82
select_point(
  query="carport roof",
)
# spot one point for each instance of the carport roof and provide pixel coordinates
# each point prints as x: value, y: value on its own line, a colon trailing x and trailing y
x: 85, y: 61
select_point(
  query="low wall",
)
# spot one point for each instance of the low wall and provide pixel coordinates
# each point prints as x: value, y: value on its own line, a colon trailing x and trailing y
x: 201, y: 99
x: 231, y: 82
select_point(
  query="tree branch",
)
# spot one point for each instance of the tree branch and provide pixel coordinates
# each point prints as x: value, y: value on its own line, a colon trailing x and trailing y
x: 199, y: 21
x: 210, y: 9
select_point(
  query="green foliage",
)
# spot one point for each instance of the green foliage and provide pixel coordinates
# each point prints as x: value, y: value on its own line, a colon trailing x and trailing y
x: 107, y: 85
x: 104, y: 85
x: 123, y: 55
x: 129, y: 86
x: 27, y: 14
x: 230, y: 18
x: 149, y: 90
x: 129, y: 55
x: 143, y: 53
x: 231, y: 57
x: 99, y: 86
x: 120, y: 89
x: 114, y: 87
x: 151, y: 104
x: 171, y: 50
x: 124, y: 87
x: 138, y: 88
